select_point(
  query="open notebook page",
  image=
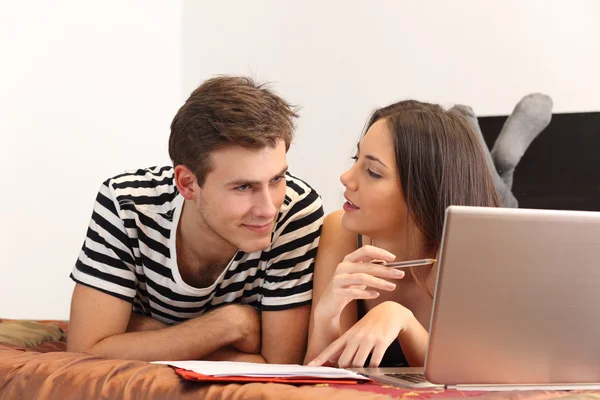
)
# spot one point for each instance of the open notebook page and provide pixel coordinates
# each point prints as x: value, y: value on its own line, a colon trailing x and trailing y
x: 229, y: 368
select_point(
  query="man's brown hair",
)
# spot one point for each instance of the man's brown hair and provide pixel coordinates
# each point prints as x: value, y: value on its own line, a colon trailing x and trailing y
x: 228, y: 110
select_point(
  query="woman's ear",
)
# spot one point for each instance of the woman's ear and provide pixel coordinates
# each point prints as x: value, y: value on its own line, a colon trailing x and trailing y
x: 186, y: 182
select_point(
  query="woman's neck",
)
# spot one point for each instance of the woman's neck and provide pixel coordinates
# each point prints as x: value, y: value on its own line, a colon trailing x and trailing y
x: 404, y: 245
x: 411, y: 247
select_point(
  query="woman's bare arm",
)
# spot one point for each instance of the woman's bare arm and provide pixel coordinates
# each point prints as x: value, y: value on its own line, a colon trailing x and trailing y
x: 335, y: 243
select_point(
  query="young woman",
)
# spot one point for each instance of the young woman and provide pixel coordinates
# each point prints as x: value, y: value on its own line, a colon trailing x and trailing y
x: 414, y: 160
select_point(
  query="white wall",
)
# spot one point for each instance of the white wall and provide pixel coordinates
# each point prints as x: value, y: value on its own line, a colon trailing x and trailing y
x: 340, y: 59
x: 87, y: 89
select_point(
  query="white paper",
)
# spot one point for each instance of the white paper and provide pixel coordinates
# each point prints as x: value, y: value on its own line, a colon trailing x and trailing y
x: 229, y: 368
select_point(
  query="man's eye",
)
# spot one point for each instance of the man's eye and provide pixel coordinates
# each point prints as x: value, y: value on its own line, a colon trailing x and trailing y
x: 243, y: 188
x: 278, y: 179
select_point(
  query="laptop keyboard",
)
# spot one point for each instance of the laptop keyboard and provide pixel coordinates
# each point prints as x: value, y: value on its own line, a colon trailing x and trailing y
x: 413, y: 378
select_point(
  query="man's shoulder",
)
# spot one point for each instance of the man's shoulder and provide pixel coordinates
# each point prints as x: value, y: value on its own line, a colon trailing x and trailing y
x: 142, y: 177
x: 297, y: 188
x: 144, y: 186
x: 298, y: 194
x: 302, y: 204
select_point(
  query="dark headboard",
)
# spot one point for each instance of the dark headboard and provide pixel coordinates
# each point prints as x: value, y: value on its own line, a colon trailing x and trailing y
x: 561, y: 168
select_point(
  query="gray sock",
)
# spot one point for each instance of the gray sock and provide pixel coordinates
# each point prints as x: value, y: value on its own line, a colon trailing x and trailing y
x: 506, y: 196
x: 529, y: 118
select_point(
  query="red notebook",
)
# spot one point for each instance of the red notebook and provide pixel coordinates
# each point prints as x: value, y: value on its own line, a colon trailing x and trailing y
x: 194, y: 376
x: 237, y: 372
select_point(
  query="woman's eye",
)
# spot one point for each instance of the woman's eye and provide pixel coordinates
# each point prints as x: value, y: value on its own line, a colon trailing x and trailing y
x: 355, y: 158
x: 373, y: 174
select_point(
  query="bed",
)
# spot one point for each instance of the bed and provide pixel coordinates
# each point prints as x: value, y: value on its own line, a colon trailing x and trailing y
x: 34, y: 364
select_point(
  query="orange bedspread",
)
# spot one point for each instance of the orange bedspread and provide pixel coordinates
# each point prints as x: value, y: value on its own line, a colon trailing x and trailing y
x: 47, y: 371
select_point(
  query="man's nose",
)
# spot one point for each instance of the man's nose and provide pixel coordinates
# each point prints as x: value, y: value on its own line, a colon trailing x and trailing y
x: 263, y: 206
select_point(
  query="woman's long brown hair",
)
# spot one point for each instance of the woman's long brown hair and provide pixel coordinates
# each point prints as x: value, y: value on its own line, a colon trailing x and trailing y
x: 440, y: 163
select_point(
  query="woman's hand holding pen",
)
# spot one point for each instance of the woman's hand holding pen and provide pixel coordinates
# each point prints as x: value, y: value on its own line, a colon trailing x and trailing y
x: 356, y: 278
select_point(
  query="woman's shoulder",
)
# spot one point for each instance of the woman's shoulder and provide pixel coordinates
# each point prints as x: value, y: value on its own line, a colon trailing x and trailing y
x: 335, y: 237
x: 332, y: 225
x: 333, y: 220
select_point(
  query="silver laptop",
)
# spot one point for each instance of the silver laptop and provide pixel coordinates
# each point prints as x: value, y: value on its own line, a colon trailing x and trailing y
x: 516, y: 303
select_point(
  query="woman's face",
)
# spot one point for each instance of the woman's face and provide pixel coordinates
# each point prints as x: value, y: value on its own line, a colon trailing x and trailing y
x: 375, y: 204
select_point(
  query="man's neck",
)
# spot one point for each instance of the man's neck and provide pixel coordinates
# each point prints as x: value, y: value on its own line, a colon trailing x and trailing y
x: 198, y: 245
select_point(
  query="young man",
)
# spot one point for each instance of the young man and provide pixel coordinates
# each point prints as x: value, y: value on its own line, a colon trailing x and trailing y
x: 209, y: 259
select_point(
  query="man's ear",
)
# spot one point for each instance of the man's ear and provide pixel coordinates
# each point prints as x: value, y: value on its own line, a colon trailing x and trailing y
x: 186, y: 182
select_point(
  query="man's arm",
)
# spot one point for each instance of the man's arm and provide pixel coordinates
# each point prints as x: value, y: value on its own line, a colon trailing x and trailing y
x: 293, y: 347
x: 230, y: 353
x: 287, y: 288
x: 284, y: 335
x: 140, y: 323
x: 99, y: 321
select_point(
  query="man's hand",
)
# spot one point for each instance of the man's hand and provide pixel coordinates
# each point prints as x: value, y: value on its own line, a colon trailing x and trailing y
x: 248, y: 323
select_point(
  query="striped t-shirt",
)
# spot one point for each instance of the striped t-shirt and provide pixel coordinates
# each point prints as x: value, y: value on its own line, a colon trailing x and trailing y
x: 129, y: 251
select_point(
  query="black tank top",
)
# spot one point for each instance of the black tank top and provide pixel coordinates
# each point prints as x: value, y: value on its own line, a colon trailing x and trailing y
x: 394, y: 356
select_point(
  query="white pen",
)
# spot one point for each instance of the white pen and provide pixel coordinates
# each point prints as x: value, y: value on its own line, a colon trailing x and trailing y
x: 404, y: 264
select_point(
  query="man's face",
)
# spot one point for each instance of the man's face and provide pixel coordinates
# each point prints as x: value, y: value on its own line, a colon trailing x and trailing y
x: 242, y: 194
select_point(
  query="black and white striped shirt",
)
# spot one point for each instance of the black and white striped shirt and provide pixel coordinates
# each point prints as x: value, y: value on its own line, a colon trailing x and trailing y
x: 129, y: 251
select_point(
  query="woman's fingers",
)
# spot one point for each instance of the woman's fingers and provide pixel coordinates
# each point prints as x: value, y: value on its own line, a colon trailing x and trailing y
x: 360, y: 287
x: 377, y: 270
x: 361, y: 355
x: 347, y: 280
x: 331, y: 352
x: 357, y: 294
x: 373, y: 270
x: 377, y: 355
x: 368, y: 253
x: 348, y: 354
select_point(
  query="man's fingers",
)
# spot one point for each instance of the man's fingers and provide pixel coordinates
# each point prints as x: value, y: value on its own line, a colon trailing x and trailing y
x: 368, y: 253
